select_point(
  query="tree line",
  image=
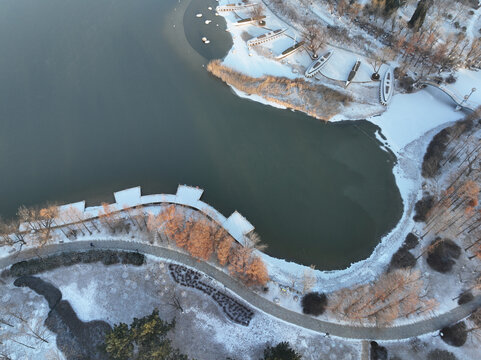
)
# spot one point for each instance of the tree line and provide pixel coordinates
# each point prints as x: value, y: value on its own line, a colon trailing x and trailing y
x: 198, y: 235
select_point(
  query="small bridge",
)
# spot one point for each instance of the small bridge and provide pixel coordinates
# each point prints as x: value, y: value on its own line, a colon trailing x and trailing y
x: 460, y: 102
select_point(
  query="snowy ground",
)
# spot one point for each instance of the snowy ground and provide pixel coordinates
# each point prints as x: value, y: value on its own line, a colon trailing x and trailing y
x: 118, y: 293
x: 260, y: 60
x: 406, y: 127
x: 419, y: 348
x: 14, y: 302
x: 287, y: 278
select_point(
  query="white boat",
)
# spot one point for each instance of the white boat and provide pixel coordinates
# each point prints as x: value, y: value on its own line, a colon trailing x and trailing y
x: 271, y: 35
x: 353, y: 72
x: 290, y: 50
x: 234, y: 7
x: 249, y: 21
x: 317, y: 64
x: 387, y: 87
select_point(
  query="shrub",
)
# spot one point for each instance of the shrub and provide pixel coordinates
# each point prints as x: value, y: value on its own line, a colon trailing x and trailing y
x: 464, y: 125
x: 465, y: 297
x: 110, y: 259
x: 107, y: 257
x: 378, y: 352
x: 435, y: 154
x: 440, y: 258
x: 422, y: 208
x: 406, y: 83
x: 132, y: 258
x: 314, y: 303
x: 281, y: 351
x: 450, y: 79
x: 454, y: 335
x: 411, y: 241
x: 402, y: 259
x: 441, y: 355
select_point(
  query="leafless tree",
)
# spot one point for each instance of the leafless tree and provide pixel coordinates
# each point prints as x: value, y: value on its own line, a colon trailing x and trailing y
x: 315, y: 38
x: 254, y: 241
x: 256, y: 12
x: 309, y: 279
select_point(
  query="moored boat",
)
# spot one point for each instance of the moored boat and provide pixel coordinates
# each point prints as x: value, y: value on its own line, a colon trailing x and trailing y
x: 249, y: 20
x: 386, y: 88
x: 271, y: 35
x: 353, y: 72
x: 290, y: 50
x: 317, y: 64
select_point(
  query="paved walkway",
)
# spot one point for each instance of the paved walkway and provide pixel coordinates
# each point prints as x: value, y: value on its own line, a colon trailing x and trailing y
x: 256, y: 301
x: 365, y: 350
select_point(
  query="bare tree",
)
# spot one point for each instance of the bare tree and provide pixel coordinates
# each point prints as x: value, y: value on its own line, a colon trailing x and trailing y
x: 75, y: 218
x: 393, y: 295
x: 315, y: 38
x: 309, y: 279
x: 256, y: 12
x: 10, y: 234
x: 253, y: 241
x: 376, y: 59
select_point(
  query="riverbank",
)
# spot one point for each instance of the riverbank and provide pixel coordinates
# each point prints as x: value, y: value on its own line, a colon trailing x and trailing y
x: 287, y: 280
x: 323, y: 101
x: 247, y: 63
x: 406, y: 127
x: 402, y: 122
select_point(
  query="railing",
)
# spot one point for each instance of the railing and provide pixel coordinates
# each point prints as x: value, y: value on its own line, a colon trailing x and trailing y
x: 236, y: 225
x: 462, y: 103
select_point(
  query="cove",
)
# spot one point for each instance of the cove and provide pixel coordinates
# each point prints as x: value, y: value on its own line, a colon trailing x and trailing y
x: 99, y: 95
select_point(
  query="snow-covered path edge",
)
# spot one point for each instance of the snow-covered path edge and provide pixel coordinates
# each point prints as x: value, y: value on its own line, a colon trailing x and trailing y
x: 408, y: 178
x: 255, y: 300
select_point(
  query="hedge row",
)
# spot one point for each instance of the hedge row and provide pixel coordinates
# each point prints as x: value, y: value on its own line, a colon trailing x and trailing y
x: 107, y: 257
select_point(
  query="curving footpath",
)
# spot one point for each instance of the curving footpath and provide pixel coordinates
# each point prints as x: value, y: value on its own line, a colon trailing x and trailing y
x: 256, y: 301
x: 462, y: 103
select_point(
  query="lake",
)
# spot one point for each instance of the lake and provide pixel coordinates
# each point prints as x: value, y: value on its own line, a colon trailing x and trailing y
x: 100, y: 95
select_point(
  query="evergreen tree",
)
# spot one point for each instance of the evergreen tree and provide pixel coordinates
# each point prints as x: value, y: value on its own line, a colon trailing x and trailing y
x: 281, y: 351
x: 144, y: 340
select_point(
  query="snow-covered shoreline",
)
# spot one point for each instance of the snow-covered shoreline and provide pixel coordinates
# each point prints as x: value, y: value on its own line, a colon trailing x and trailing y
x: 408, y: 125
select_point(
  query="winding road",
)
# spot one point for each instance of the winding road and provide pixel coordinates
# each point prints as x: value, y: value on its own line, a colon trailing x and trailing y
x: 255, y: 300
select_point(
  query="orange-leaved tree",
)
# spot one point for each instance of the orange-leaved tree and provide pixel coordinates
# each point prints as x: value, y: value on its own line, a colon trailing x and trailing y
x: 257, y: 272
x: 248, y: 267
x: 200, y: 243
x: 173, y: 221
x: 223, y: 250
